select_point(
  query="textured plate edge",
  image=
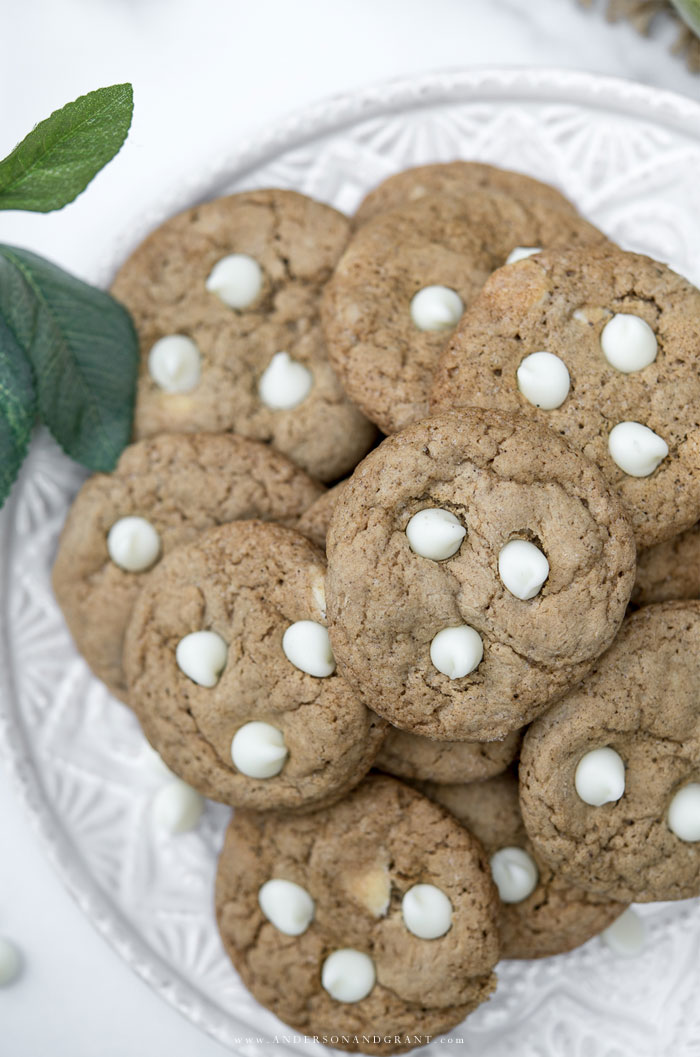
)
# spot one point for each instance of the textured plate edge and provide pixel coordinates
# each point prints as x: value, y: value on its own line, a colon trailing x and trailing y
x: 98, y: 909
x: 536, y: 84
x: 541, y: 84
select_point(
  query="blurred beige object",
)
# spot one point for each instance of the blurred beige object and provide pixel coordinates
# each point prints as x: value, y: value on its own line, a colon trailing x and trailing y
x: 641, y: 13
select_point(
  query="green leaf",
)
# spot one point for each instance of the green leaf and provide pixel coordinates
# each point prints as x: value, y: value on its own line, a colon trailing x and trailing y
x: 17, y: 403
x: 59, y: 158
x: 84, y: 351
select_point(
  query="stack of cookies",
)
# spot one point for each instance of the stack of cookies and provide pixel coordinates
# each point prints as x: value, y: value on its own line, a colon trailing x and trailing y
x: 395, y: 481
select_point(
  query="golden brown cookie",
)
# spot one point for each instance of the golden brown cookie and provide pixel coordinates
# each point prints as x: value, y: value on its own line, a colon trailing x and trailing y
x: 315, y: 521
x: 454, y: 178
x: 180, y: 485
x: 541, y: 914
x: 432, y: 537
x: 670, y: 571
x: 230, y: 672
x: 411, y: 756
x: 613, y: 336
x: 610, y: 777
x: 293, y: 893
x: 225, y: 298
x: 400, y: 288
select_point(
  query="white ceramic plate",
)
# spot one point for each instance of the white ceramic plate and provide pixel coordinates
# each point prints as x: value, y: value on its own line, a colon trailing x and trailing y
x: 629, y: 157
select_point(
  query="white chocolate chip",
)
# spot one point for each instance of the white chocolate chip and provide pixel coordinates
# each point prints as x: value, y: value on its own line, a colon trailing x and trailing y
x: 371, y: 888
x: 600, y: 777
x: 258, y: 750
x: 348, y: 975
x: 580, y: 316
x: 515, y: 874
x: 133, y: 544
x: 237, y: 280
x: 287, y: 905
x: 457, y: 651
x: 523, y: 568
x: 10, y: 962
x: 284, y: 383
x: 626, y: 937
x: 202, y: 655
x: 427, y: 912
x: 628, y: 343
x: 435, y: 533
x: 521, y: 252
x: 177, y: 807
x: 684, y: 813
x: 436, y: 308
x: 307, y: 646
x: 544, y: 380
x: 636, y: 449
x: 175, y: 364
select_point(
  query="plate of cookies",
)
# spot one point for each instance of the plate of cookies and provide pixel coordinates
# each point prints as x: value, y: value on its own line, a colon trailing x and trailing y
x: 358, y: 706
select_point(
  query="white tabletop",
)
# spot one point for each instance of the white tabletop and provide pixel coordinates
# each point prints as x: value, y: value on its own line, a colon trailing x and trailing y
x: 207, y: 74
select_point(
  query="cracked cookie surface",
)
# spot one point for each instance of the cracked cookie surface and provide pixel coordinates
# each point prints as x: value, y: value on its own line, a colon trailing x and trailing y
x: 641, y: 700
x: 247, y: 582
x: 296, y: 242
x: 408, y: 755
x: 315, y: 521
x: 457, y: 177
x: 670, y: 571
x: 501, y: 477
x: 456, y: 241
x: 557, y: 915
x: 357, y: 860
x: 559, y: 302
x: 411, y: 756
x: 182, y: 484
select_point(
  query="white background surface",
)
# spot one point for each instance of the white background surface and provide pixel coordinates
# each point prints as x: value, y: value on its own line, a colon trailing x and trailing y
x: 207, y: 74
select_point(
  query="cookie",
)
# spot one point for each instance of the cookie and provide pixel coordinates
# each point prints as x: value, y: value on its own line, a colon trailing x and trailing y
x: 371, y: 925
x: 541, y: 914
x: 599, y: 344
x: 411, y: 756
x: 670, y: 571
x: 225, y: 298
x: 478, y: 565
x: 408, y: 755
x: 610, y: 777
x: 231, y: 675
x: 316, y: 520
x: 403, y: 282
x: 455, y: 178
x: 164, y: 492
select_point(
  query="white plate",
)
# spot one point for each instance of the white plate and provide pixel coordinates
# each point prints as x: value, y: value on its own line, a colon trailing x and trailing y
x: 629, y: 156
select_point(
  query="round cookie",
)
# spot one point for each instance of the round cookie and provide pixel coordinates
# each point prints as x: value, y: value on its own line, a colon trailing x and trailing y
x: 563, y: 303
x: 628, y: 741
x: 408, y: 755
x: 411, y: 756
x: 670, y: 571
x: 315, y: 521
x: 259, y: 369
x: 454, y: 178
x: 358, y: 861
x: 554, y: 916
x: 383, y: 357
x: 490, y: 479
x: 259, y: 730
x: 181, y: 484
